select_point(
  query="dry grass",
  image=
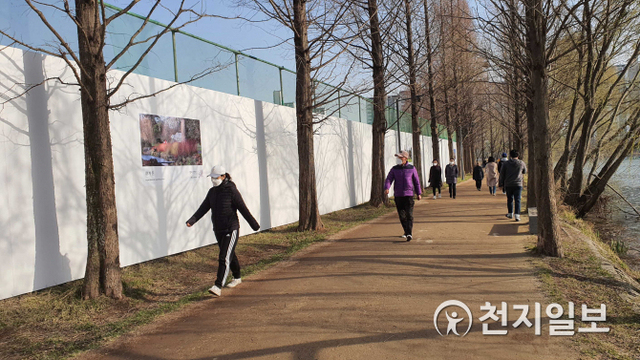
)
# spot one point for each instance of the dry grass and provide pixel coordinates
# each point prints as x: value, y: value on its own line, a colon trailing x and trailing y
x: 55, y: 323
x: 578, y: 277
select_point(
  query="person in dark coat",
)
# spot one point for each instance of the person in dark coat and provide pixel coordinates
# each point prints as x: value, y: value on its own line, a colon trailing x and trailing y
x: 435, y: 179
x: 502, y: 161
x: 512, y: 180
x: 224, y: 201
x: 478, y: 175
x: 451, y: 176
x: 406, y: 182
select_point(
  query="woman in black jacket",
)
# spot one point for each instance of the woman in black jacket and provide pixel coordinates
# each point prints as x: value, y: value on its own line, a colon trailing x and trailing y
x: 224, y: 201
x: 478, y: 175
x: 435, y: 179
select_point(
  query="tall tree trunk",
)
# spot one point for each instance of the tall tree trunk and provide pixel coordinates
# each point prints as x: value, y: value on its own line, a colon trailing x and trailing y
x: 576, y: 182
x: 103, y: 274
x: 435, y: 136
x: 531, y: 153
x: 378, y: 129
x: 309, y: 215
x: 560, y: 170
x: 447, y: 117
x: 517, y: 122
x: 549, y: 230
x: 413, y: 83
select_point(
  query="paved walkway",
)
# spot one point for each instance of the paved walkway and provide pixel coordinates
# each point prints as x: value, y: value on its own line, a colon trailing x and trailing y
x: 370, y: 295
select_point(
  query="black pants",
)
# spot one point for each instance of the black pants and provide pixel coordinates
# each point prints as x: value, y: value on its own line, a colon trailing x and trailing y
x: 437, y: 188
x: 479, y: 184
x: 227, y: 259
x: 404, y: 204
x: 452, y: 190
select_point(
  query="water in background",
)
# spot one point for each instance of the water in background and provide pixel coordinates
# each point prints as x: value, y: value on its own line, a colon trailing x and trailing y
x: 627, y: 182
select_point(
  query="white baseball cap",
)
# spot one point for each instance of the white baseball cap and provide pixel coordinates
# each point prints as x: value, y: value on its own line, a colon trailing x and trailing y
x: 216, y: 171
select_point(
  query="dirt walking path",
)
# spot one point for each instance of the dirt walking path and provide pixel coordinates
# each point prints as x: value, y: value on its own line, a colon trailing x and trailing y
x: 371, y: 295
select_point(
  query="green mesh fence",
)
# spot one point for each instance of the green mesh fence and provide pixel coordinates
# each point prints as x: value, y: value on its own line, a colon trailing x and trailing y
x: 173, y: 58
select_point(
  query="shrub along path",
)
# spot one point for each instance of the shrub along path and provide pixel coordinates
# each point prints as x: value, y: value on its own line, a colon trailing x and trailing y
x: 368, y: 294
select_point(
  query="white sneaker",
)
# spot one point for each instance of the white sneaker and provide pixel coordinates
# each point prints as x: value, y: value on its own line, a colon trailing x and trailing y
x: 434, y: 197
x: 509, y: 216
x: 439, y: 196
x: 494, y: 194
x: 214, y: 290
x: 517, y: 217
x: 409, y: 237
x: 404, y: 236
x: 234, y: 283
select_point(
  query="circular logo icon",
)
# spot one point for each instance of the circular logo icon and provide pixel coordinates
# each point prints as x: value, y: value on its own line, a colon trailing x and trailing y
x: 452, y: 318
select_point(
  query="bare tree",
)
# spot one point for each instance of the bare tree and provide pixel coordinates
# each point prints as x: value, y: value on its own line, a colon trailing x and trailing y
x: 378, y: 195
x: 537, y: 59
x: 433, y: 117
x: 369, y: 24
x: 318, y: 36
x: 103, y: 274
x: 608, y: 37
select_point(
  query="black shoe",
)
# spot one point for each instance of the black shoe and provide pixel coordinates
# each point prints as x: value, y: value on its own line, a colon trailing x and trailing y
x: 409, y: 237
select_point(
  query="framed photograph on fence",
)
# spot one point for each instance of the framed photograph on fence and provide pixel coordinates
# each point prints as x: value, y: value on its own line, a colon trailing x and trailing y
x: 170, y: 141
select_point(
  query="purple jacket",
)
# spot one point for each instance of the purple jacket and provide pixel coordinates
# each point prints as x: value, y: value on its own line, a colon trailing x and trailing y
x: 406, y: 180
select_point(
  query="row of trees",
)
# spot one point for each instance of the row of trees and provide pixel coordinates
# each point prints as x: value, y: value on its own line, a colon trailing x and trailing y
x: 571, y: 67
x: 540, y: 75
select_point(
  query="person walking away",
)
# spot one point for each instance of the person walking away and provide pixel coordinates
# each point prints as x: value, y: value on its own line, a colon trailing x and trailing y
x: 503, y: 160
x: 511, y: 180
x: 404, y: 177
x: 435, y: 179
x: 224, y: 201
x: 478, y: 175
x: 491, y: 171
x: 451, y: 176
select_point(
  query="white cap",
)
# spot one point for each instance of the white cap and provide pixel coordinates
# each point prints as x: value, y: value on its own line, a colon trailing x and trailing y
x: 216, y: 171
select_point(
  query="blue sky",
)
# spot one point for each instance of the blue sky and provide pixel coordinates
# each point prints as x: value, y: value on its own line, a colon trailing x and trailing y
x: 256, y: 39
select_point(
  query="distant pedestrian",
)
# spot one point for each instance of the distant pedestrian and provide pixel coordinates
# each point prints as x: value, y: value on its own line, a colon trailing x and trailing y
x: 435, y: 179
x: 224, y: 201
x: 503, y: 160
x: 478, y: 175
x: 511, y: 180
x: 491, y: 170
x: 484, y: 163
x: 451, y: 176
x: 406, y: 182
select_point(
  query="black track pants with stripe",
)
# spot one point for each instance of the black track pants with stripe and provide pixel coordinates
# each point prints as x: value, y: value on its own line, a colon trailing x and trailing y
x: 227, y: 260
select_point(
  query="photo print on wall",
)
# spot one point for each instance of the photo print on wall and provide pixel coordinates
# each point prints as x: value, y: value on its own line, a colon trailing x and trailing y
x: 170, y: 141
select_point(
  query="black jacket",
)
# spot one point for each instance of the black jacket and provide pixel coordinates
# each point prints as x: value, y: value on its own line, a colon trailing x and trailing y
x: 478, y: 173
x: 435, y: 176
x: 224, y: 201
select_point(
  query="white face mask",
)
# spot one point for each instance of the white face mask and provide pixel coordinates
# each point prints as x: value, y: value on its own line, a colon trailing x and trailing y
x: 216, y: 182
x: 452, y: 163
x: 435, y: 164
x: 398, y: 161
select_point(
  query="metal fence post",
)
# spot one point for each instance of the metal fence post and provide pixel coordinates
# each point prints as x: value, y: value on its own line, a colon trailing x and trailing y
x: 175, y: 56
x: 237, y: 74
x: 339, y: 106
x: 398, y: 123
x: 281, y: 88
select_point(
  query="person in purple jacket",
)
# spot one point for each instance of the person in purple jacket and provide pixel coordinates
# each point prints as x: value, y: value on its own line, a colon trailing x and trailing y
x: 406, y: 182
